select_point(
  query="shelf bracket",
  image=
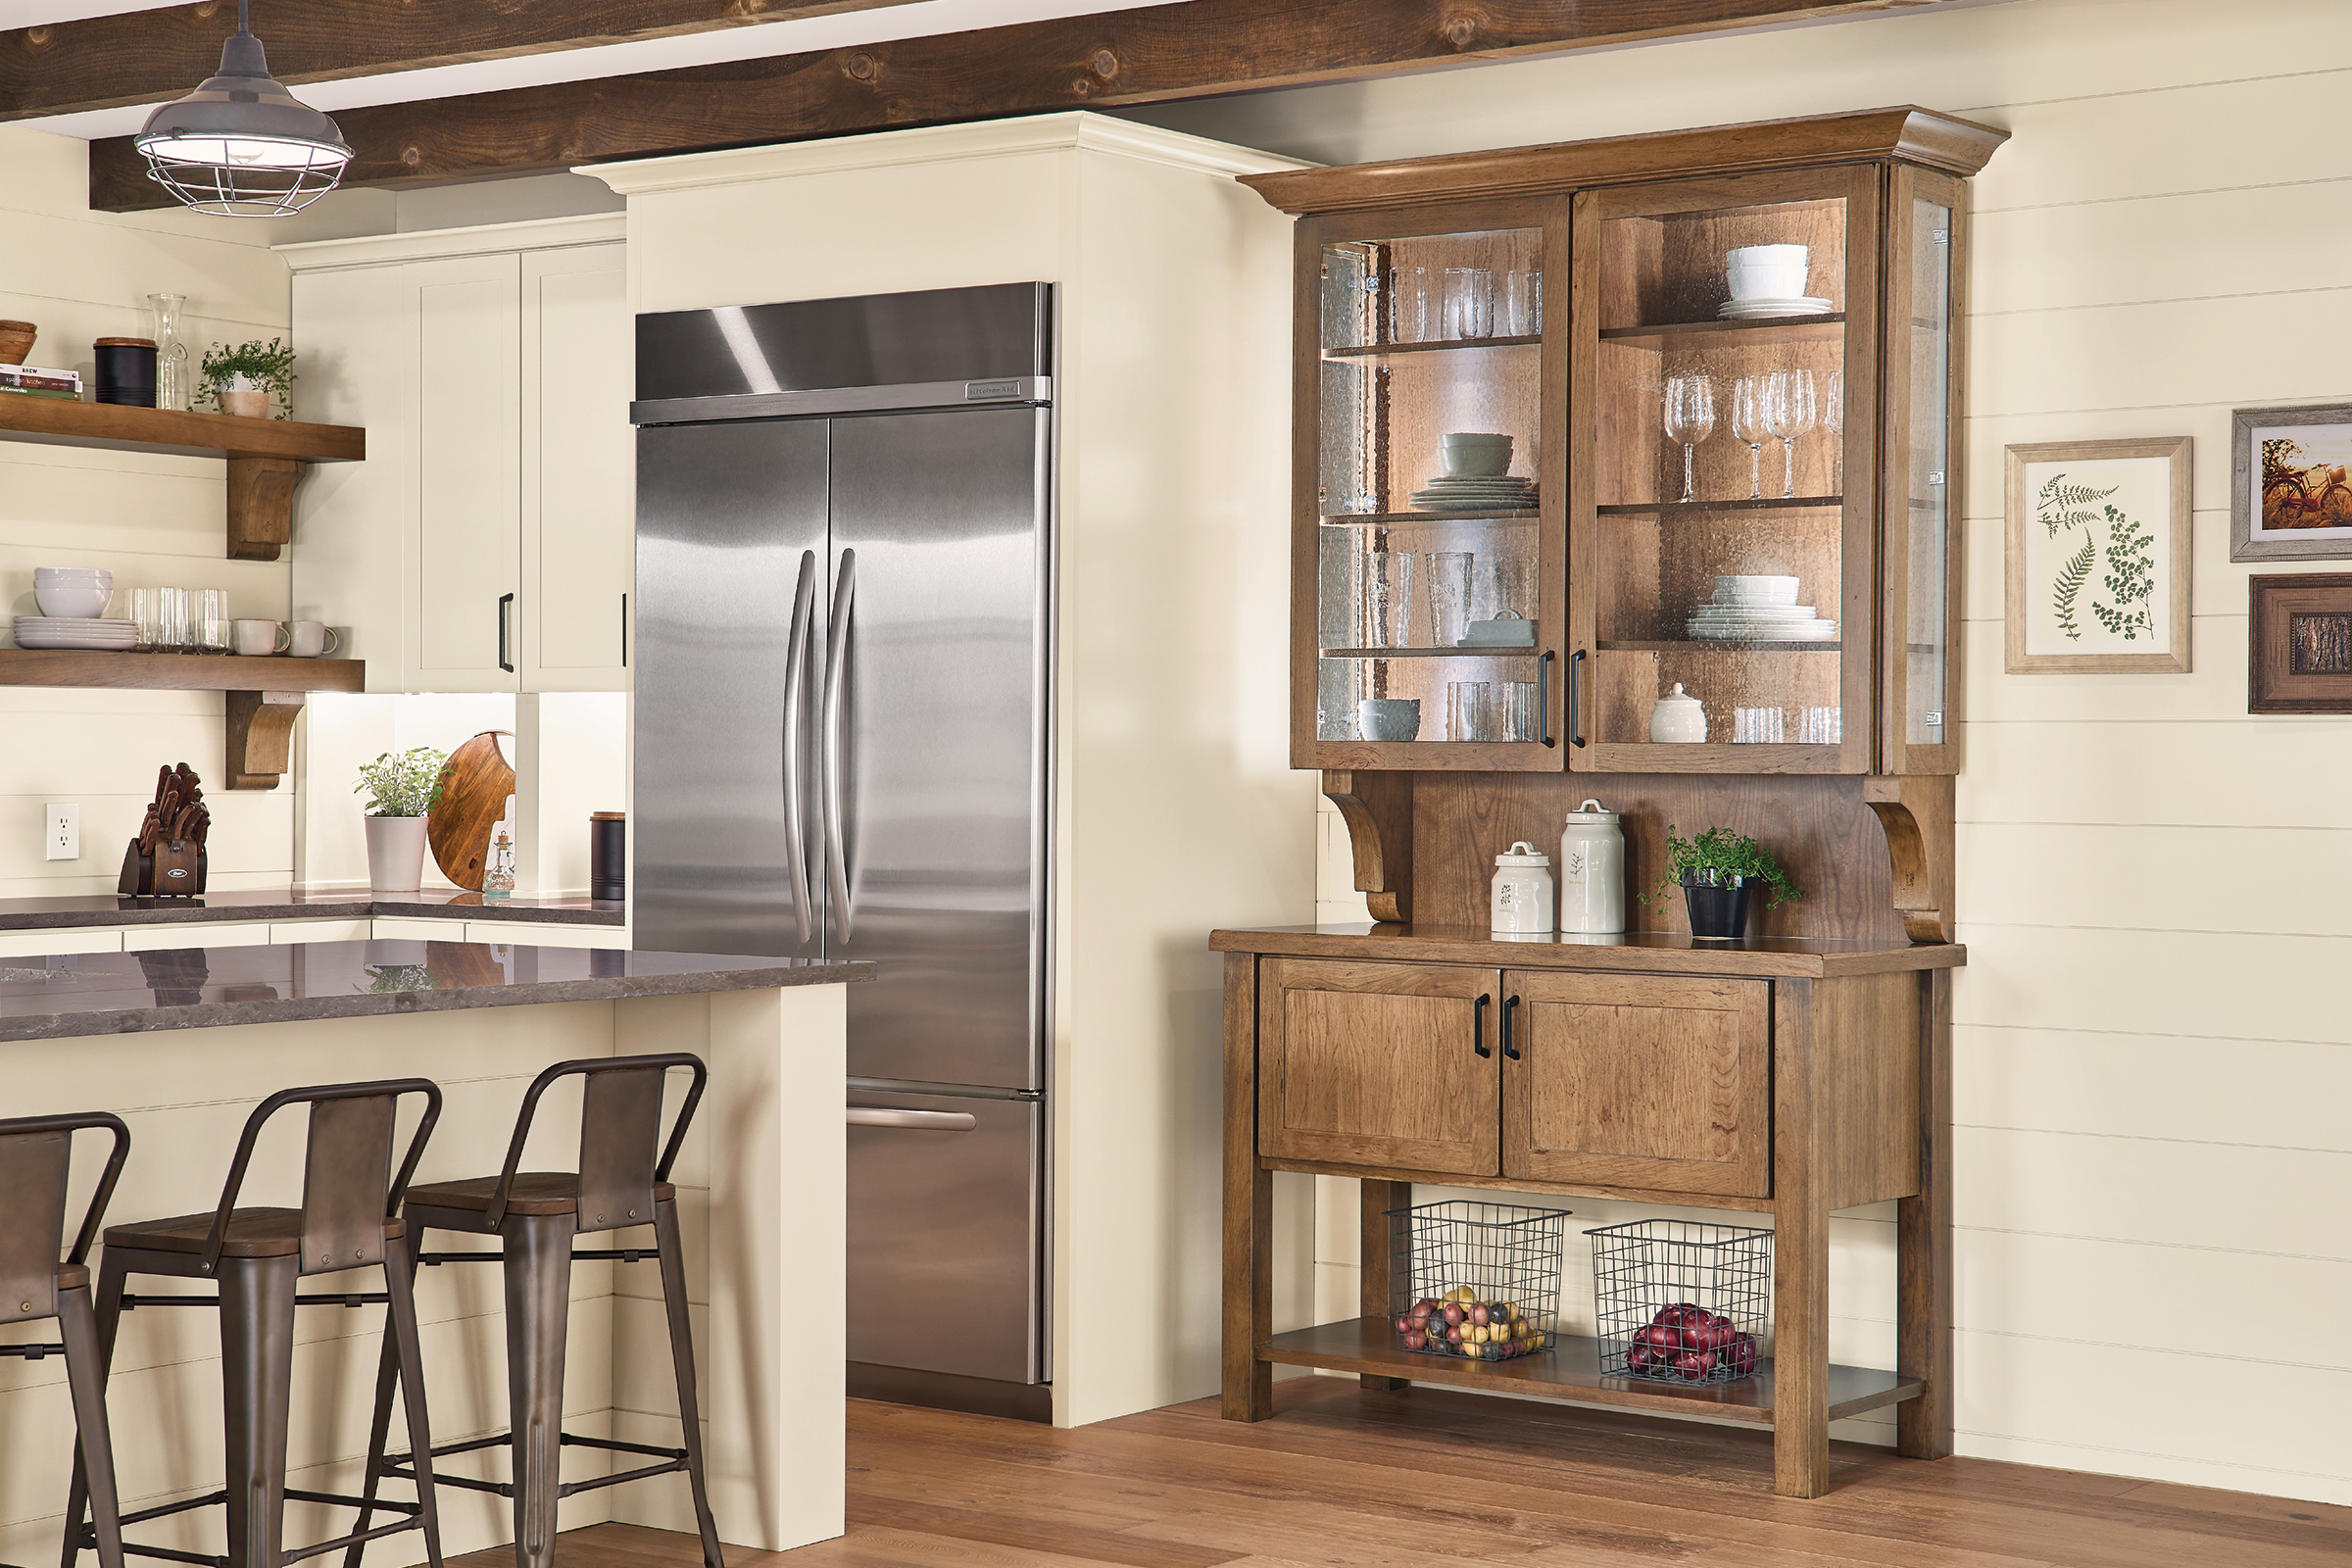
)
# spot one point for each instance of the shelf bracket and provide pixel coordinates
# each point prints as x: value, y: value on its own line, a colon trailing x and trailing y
x: 1379, y: 811
x: 261, y: 737
x: 1915, y: 811
x: 260, y: 506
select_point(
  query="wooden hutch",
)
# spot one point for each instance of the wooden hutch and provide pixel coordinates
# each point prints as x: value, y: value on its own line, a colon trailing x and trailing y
x: 1798, y: 1071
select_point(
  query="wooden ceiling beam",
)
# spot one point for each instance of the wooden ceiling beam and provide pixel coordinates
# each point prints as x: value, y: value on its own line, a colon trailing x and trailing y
x: 1154, y: 54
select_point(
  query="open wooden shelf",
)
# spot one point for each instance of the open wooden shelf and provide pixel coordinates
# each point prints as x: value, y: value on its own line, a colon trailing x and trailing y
x: 1688, y: 508
x: 1571, y: 1371
x: 1391, y: 520
x: 1738, y: 645
x: 1764, y: 329
x: 1380, y: 351
x: 1513, y: 651
x: 265, y: 456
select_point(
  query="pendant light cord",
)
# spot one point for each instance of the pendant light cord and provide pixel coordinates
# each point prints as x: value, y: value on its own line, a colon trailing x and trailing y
x: 244, y: 16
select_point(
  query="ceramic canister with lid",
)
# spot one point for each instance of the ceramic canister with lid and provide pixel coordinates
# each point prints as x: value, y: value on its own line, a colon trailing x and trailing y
x: 1593, y: 871
x: 1521, y: 900
x: 1677, y: 718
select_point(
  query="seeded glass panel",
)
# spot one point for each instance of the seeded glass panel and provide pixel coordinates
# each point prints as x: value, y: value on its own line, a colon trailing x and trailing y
x: 1931, y: 331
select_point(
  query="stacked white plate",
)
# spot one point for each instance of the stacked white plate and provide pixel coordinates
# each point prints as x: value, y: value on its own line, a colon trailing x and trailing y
x: 1755, y: 309
x: 75, y: 631
x: 1758, y: 609
x: 1473, y: 493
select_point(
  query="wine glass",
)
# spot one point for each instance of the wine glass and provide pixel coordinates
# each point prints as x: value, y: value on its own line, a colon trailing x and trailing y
x: 1833, y: 421
x: 1790, y: 409
x: 1748, y: 424
x: 1690, y: 417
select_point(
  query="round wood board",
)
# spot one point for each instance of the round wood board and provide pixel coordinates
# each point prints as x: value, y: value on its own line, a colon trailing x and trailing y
x: 475, y: 782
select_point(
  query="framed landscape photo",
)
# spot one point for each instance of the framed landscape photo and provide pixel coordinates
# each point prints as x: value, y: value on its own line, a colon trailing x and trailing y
x: 2288, y: 497
x: 2299, y: 653
x: 2097, y: 559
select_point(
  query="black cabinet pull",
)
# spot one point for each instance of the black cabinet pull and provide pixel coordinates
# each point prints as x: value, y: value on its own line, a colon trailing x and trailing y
x: 1543, y: 698
x: 1576, y: 721
x: 1510, y: 1006
x: 504, y: 600
x: 1478, y: 1027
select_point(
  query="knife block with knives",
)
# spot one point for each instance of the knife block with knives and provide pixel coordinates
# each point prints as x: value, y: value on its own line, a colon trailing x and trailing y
x: 168, y: 860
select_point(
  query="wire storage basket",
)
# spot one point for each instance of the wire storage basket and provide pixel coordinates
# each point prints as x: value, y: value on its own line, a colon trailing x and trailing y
x: 1680, y: 1300
x: 1480, y: 1281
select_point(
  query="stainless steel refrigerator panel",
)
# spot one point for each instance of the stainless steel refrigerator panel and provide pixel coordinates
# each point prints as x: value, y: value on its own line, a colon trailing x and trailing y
x: 945, y: 1235
x: 946, y: 334
x: 730, y: 602
x: 935, y: 720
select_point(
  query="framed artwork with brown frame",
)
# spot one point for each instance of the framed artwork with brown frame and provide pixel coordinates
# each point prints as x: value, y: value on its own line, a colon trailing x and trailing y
x: 2299, y: 648
x: 2097, y: 561
x: 2288, y: 497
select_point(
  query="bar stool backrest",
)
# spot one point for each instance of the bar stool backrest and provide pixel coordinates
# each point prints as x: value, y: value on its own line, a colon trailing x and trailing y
x: 346, y: 1195
x: 620, y: 1126
x: 36, y: 1156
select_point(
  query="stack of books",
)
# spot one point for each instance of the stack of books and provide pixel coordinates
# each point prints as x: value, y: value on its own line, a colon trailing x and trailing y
x: 29, y: 381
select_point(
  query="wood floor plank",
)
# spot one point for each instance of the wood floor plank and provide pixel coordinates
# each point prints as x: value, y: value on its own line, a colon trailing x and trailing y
x: 1032, y: 1534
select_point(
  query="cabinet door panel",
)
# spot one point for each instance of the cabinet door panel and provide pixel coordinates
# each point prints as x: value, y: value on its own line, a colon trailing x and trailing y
x: 1378, y: 1065
x: 1642, y: 1081
x: 469, y: 477
x: 576, y: 472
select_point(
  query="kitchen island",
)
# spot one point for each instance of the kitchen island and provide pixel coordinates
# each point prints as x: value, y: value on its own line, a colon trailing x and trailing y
x: 182, y: 1042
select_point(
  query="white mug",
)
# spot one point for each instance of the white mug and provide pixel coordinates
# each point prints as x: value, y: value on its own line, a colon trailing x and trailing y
x: 308, y: 639
x: 258, y: 639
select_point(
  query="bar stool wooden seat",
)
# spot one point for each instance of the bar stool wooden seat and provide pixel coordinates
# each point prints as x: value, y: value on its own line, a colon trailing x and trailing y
x: 619, y: 1184
x: 35, y: 1156
x: 347, y: 1220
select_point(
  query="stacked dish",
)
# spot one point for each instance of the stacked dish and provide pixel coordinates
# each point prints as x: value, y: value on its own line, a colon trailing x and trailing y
x: 1754, y: 309
x: 73, y: 599
x: 1766, y: 281
x: 1757, y: 608
x: 75, y: 631
x: 1503, y: 492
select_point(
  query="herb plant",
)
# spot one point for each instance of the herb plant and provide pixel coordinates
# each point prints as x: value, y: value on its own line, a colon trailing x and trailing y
x: 404, y: 785
x: 1715, y: 857
x: 268, y: 365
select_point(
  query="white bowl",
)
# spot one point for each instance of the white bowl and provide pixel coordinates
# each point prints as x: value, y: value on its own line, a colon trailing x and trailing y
x: 1755, y: 590
x: 61, y: 599
x: 1474, y: 438
x: 71, y: 574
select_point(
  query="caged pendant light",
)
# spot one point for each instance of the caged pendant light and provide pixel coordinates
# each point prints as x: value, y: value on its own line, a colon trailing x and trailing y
x: 241, y: 145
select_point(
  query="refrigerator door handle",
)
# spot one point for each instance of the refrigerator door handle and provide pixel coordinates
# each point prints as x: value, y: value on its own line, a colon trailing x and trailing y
x: 796, y: 676
x: 936, y: 1121
x: 835, y: 742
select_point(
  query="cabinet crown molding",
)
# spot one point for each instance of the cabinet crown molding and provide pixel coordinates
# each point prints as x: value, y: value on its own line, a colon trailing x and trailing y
x: 432, y: 244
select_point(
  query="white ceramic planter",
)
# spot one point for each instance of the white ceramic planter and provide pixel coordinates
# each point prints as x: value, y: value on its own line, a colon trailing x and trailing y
x: 394, y: 853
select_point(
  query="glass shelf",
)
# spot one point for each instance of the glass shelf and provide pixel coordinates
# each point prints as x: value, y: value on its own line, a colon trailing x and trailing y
x: 1722, y: 644
x: 1690, y: 509
x: 1828, y: 327
x: 1405, y: 520
x: 1380, y: 351
x: 1430, y: 652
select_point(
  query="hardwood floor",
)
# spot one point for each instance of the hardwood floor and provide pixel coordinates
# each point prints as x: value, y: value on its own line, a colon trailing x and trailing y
x: 1434, y: 1479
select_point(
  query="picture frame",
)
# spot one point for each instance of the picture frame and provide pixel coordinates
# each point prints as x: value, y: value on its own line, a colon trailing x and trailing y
x: 2299, y: 643
x: 2290, y: 498
x: 2098, y: 557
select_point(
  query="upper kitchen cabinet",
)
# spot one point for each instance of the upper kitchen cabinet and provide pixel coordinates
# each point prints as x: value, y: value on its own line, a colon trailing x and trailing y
x: 491, y: 547
x: 1719, y: 452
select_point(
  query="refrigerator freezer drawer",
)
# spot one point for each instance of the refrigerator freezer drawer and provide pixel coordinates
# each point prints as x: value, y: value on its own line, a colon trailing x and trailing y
x: 946, y: 1216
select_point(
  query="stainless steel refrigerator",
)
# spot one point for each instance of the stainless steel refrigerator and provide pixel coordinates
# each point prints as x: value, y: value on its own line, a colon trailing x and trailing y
x: 843, y: 715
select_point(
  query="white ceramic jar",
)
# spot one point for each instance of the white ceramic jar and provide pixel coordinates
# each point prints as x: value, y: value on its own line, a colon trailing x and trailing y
x: 1593, y: 871
x: 1677, y: 718
x: 1521, y: 900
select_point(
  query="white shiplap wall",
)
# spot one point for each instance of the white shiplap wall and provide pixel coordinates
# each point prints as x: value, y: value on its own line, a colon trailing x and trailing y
x: 2154, y: 1041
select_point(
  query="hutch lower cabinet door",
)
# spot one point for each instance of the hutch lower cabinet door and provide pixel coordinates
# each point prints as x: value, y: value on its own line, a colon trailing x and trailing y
x: 1657, y: 1082
x: 1378, y: 1065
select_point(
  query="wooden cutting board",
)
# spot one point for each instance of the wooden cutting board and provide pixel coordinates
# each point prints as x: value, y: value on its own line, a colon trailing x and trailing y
x: 475, y: 782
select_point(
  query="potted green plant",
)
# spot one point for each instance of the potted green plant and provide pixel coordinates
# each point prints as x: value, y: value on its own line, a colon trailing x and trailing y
x: 239, y: 380
x: 1719, y: 872
x: 400, y: 789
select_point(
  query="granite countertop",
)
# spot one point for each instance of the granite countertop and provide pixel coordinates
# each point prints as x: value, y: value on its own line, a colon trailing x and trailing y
x: 1655, y: 951
x: 290, y: 904
x: 202, y: 988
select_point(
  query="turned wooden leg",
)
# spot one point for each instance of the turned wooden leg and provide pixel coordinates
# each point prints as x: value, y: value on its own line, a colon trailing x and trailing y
x: 1379, y: 1261
x: 1248, y: 1383
x: 1800, y: 1253
x: 1922, y: 1427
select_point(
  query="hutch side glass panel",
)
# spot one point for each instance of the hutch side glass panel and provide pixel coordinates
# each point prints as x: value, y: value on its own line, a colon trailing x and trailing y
x: 1927, y: 516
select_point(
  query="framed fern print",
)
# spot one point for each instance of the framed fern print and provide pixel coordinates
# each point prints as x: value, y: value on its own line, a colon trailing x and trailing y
x: 2097, y: 559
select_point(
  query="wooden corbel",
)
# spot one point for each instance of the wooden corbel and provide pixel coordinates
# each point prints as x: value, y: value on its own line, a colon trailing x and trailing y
x: 260, y: 506
x: 1915, y: 812
x: 1379, y: 810
x: 261, y: 737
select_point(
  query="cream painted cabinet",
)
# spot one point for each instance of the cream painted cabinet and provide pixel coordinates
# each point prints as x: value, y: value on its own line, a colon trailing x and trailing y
x: 486, y: 543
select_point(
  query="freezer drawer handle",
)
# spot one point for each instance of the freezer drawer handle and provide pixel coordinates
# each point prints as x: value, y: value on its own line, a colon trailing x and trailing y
x: 795, y: 676
x: 930, y: 1121
x: 834, y: 743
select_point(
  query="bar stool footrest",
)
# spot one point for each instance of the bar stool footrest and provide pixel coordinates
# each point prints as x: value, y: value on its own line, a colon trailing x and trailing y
x: 411, y: 1518
x: 401, y: 1466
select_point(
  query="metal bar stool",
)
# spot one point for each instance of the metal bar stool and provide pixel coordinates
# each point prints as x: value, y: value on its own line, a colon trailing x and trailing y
x: 257, y: 1255
x: 619, y: 1184
x: 35, y: 1153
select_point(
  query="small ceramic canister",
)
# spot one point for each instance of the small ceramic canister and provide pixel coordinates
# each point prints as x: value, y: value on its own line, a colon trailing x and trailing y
x: 1522, y: 897
x: 1677, y: 718
x: 1593, y: 871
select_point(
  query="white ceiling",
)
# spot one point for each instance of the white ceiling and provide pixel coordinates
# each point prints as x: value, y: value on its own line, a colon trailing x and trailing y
x: 921, y: 19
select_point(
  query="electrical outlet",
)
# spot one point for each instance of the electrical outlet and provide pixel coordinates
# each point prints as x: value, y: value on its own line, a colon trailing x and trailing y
x: 60, y: 830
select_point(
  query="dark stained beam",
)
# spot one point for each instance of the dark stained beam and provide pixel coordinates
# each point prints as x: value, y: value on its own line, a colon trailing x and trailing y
x: 143, y: 56
x: 1149, y: 55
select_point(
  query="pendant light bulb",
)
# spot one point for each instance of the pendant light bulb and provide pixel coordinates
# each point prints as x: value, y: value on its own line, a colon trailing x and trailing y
x: 241, y: 145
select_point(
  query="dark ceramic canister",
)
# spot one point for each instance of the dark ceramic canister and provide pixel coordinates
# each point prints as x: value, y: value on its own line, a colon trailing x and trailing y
x: 1718, y: 910
x: 126, y: 371
x: 607, y: 854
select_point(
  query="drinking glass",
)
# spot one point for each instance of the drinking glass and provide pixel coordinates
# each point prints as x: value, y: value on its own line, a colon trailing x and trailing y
x: 1388, y: 598
x: 1748, y: 425
x: 1833, y: 421
x: 208, y: 620
x: 1789, y: 411
x: 167, y: 314
x: 1690, y: 417
x: 1469, y: 711
x: 171, y: 620
x: 1758, y: 726
x: 1469, y: 302
x: 1518, y: 710
x: 1408, y: 305
x: 1821, y: 726
x: 147, y: 616
x: 1523, y: 301
x: 1448, y: 577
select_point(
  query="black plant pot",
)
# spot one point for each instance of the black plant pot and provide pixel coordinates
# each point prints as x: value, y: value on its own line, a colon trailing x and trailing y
x: 1718, y: 912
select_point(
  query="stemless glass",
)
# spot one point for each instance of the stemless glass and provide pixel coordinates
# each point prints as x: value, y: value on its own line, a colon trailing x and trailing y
x: 1518, y: 710
x: 1388, y: 598
x: 1523, y: 301
x: 1469, y: 302
x: 1789, y: 411
x: 1408, y: 305
x: 1833, y: 421
x: 1449, y: 575
x: 172, y: 620
x: 1690, y: 417
x: 147, y: 616
x: 1748, y: 424
x: 208, y: 620
x: 1469, y: 711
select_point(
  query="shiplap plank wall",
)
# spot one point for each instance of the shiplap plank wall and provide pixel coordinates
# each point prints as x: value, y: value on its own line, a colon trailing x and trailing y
x: 2153, y: 1045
